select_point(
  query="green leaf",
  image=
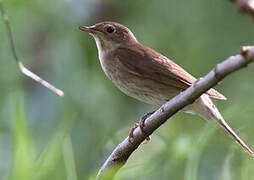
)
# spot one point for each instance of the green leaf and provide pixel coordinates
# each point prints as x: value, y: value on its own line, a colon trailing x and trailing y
x: 22, y: 151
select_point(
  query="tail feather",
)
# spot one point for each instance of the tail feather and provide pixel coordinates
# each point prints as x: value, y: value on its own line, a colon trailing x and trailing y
x: 206, y: 109
x: 230, y: 131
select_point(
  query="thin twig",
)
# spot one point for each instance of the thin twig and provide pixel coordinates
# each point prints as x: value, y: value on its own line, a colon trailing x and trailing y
x: 22, y: 68
x: 123, y: 151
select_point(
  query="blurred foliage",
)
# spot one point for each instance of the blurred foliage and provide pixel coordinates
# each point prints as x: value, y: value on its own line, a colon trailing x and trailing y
x: 43, y: 136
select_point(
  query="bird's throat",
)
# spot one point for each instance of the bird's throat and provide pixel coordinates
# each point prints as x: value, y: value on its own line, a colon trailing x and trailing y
x: 104, y: 46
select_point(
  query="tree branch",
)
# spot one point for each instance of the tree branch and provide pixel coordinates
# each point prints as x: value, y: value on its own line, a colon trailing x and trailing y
x: 245, y: 6
x: 22, y: 68
x: 123, y: 151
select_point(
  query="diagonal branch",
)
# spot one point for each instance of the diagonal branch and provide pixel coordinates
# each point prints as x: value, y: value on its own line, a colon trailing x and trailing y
x: 123, y: 151
x: 22, y: 68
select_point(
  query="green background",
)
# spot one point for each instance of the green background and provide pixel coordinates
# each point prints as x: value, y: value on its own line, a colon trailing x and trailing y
x: 43, y: 136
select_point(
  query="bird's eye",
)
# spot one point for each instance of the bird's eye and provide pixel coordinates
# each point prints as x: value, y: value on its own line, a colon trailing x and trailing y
x: 111, y: 29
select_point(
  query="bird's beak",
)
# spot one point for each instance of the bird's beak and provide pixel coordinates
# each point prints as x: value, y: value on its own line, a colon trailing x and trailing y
x: 88, y: 29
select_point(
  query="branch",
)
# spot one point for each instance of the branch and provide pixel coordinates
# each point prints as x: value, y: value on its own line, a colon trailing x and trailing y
x: 123, y: 151
x: 22, y: 68
x: 245, y: 6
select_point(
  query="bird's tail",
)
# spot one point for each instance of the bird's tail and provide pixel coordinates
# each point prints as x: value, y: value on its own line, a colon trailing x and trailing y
x: 207, y: 110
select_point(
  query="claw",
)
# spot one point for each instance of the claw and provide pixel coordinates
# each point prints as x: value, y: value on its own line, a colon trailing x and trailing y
x: 143, y: 119
x: 148, y: 139
x: 141, y: 125
x: 131, y: 132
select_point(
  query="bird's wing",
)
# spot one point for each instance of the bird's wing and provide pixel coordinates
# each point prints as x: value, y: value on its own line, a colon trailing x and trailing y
x: 148, y: 63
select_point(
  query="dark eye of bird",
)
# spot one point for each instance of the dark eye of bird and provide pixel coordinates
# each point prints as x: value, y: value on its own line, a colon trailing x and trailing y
x: 110, y: 29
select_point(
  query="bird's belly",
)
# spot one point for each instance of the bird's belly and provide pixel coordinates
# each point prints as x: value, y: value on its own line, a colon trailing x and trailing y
x: 146, y: 91
x: 143, y: 89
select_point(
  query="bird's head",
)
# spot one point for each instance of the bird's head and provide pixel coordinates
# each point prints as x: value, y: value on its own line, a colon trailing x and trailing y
x: 109, y: 35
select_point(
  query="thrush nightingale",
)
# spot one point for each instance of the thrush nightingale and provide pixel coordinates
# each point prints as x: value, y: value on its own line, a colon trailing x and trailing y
x: 147, y: 75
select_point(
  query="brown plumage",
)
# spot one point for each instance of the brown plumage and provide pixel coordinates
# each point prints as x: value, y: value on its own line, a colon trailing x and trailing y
x: 147, y: 63
x: 145, y: 74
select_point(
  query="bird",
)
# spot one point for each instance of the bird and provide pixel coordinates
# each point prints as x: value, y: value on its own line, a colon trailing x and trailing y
x: 147, y: 75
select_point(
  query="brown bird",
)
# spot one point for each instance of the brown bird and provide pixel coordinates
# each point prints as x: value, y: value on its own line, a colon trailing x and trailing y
x: 147, y: 75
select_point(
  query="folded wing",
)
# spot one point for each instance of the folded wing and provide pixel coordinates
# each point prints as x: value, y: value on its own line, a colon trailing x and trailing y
x: 158, y: 68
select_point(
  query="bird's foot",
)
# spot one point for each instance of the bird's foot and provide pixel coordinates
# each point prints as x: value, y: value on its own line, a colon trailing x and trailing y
x: 148, y: 139
x: 131, y: 133
x: 141, y: 125
x: 143, y: 119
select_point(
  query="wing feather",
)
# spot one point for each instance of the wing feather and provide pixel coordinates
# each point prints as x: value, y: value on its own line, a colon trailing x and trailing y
x: 145, y: 62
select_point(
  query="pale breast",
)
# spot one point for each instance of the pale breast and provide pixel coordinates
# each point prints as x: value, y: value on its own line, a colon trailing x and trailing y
x: 145, y: 90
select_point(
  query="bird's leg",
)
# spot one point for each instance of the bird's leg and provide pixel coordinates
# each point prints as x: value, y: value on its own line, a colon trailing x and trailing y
x: 141, y: 125
x: 143, y: 119
x: 131, y: 132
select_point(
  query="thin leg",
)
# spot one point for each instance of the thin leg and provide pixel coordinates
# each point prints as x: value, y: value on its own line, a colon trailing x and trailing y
x: 143, y: 119
x: 131, y: 132
x: 141, y: 125
x: 131, y: 135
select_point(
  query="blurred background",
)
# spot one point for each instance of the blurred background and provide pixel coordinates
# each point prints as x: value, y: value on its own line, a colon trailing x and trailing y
x: 43, y: 136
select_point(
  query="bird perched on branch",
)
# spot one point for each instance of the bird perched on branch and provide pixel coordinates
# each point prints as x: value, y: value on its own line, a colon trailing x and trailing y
x: 148, y: 76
